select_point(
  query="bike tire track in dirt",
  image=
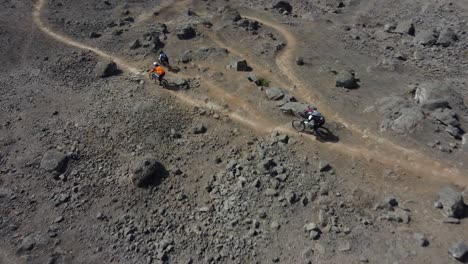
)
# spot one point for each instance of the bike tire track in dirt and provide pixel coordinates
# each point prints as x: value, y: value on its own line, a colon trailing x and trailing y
x: 254, y: 124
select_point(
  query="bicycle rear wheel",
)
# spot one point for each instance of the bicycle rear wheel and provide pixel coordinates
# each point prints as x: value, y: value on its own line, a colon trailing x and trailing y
x: 298, y: 125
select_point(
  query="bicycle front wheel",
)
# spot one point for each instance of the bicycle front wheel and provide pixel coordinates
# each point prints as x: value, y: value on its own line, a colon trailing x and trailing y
x: 298, y: 125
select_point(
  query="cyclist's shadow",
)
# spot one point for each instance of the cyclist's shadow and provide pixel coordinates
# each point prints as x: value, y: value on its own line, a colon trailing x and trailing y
x: 324, y: 134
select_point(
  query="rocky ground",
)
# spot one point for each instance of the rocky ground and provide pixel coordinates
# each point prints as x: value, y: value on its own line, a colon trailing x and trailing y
x: 100, y: 165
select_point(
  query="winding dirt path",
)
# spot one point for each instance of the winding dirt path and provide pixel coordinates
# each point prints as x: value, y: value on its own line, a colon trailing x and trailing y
x: 247, y: 114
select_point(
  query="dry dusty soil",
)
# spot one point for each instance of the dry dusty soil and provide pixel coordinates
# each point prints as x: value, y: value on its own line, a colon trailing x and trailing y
x: 99, y: 164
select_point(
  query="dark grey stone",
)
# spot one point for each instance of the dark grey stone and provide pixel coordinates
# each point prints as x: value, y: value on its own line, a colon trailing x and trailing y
x: 274, y: 93
x: 147, y: 171
x: 447, y: 37
x: 346, y: 79
x: 421, y: 239
x: 426, y: 38
x: 53, y: 161
x: 199, y: 129
x: 459, y: 251
x: 186, y: 32
x: 230, y: 14
x: 241, y: 65
x: 135, y: 44
x: 452, y: 202
x: 405, y: 27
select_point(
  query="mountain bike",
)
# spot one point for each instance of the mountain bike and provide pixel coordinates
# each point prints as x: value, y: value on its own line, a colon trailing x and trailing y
x: 301, y: 124
x: 164, y: 82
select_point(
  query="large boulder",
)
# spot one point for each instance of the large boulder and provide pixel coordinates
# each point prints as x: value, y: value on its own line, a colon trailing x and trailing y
x: 293, y: 108
x: 429, y: 91
x: 274, y: 93
x: 408, y: 120
x: 241, y: 65
x: 447, y: 37
x: 249, y: 25
x: 135, y: 44
x: 445, y: 116
x: 283, y: 6
x: 405, y: 27
x: 160, y: 28
x: 454, y: 131
x: 230, y: 14
x: 157, y: 44
x: 53, y: 161
x: 147, y: 171
x: 177, y: 83
x: 186, y: 56
x: 426, y: 38
x: 346, y: 79
x: 459, y: 251
x: 105, y: 69
x: 434, y: 104
x: 186, y: 32
x: 452, y: 203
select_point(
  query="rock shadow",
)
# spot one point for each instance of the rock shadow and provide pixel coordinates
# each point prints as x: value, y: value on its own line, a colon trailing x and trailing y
x: 159, y: 176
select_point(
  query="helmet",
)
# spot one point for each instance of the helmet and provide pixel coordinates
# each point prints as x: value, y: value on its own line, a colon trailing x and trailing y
x: 155, y: 64
x: 161, y: 51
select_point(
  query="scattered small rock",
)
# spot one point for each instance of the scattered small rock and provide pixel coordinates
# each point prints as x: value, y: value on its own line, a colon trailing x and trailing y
x: 391, y: 200
x: 94, y: 35
x: 451, y: 220
x: 421, y: 239
x: 275, y: 225
x: 307, y: 255
x: 324, y: 166
x: 344, y: 246
x: 300, y: 61
x: 26, y: 245
x: 199, y: 129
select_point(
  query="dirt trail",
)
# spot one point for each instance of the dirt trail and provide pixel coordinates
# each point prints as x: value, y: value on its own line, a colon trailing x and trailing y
x: 415, y: 163
x: 37, y: 20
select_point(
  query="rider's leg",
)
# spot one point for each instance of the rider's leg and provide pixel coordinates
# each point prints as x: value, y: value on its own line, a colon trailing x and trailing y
x: 160, y: 79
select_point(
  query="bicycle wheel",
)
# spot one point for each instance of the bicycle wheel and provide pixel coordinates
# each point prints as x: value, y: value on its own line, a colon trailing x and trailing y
x: 164, y: 83
x: 298, y: 125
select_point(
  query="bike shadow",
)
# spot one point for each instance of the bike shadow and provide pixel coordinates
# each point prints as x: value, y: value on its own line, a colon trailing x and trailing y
x: 323, y: 135
x: 173, y: 69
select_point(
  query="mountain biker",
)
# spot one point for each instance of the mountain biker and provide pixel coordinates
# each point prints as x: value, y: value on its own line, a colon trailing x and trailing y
x: 314, y: 117
x: 163, y: 57
x: 158, y: 72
